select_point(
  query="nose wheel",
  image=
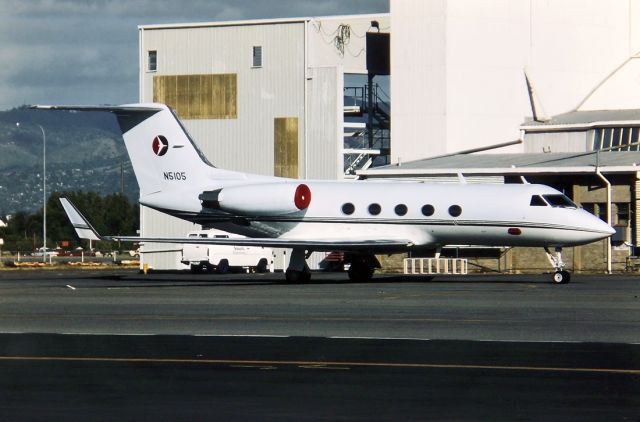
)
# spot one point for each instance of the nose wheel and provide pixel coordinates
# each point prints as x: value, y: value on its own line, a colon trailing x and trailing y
x: 561, y: 276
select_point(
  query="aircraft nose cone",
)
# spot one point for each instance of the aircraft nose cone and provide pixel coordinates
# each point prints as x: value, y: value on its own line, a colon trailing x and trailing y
x: 604, y: 228
x: 594, y: 228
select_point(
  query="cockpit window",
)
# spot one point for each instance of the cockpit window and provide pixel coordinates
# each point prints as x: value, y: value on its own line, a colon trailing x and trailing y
x: 537, y: 201
x: 559, y: 201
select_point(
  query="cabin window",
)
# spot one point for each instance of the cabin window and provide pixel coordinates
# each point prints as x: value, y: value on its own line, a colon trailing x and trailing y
x: 427, y: 210
x: 348, y: 208
x: 559, y: 201
x: 537, y: 201
x: 455, y: 210
x: 374, y: 209
x: 400, y: 209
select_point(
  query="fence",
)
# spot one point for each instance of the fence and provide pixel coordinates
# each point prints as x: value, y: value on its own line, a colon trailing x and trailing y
x: 435, y: 266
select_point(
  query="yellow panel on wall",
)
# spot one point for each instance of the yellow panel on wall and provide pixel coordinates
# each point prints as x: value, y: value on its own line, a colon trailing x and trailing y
x: 198, y: 96
x: 285, y: 147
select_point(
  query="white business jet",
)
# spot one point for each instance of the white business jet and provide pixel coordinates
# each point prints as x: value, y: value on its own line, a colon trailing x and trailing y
x: 359, y: 218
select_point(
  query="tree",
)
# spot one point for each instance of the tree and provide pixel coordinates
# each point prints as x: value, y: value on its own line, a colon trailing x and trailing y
x: 113, y: 214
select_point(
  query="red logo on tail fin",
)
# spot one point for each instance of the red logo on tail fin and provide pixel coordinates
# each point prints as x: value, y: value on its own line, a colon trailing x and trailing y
x: 160, y: 145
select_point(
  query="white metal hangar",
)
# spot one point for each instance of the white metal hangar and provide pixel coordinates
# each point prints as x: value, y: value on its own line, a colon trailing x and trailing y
x: 458, y: 67
x: 260, y: 96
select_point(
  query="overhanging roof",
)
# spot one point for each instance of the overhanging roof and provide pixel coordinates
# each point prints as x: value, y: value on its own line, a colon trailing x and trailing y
x: 513, y: 164
x: 584, y: 120
x: 258, y: 21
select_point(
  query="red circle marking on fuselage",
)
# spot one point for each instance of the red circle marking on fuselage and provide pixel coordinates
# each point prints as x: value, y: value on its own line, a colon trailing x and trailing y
x: 302, y: 197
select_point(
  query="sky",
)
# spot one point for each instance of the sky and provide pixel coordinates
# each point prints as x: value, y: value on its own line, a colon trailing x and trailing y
x: 86, y: 51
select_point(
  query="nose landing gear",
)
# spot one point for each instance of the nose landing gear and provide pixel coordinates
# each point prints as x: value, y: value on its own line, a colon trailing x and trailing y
x: 561, y: 276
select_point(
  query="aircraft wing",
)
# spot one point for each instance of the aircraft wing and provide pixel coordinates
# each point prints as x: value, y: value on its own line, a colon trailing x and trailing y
x: 316, y: 245
x: 85, y: 230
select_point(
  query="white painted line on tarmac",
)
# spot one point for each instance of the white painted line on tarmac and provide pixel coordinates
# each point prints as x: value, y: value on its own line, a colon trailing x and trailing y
x: 378, y: 338
x: 242, y: 335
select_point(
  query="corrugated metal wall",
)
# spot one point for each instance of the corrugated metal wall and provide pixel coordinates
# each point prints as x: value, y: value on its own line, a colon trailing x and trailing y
x: 558, y: 141
x: 244, y: 143
x: 162, y: 256
x: 325, y: 126
x: 340, y: 40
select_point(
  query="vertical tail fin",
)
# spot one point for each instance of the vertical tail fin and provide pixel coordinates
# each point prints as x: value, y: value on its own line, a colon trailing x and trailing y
x: 163, y: 155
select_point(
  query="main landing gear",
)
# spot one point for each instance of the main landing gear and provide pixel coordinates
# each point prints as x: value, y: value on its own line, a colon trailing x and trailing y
x: 360, y: 271
x: 298, y: 271
x: 561, y: 276
x: 362, y: 267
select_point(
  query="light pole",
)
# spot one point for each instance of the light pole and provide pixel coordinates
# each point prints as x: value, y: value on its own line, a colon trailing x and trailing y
x: 44, y: 192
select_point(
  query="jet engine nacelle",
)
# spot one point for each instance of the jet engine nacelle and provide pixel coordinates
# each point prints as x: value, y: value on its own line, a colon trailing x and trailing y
x: 265, y: 199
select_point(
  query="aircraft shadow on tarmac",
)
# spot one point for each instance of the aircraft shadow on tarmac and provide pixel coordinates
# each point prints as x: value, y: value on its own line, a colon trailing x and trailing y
x: 174, y: 278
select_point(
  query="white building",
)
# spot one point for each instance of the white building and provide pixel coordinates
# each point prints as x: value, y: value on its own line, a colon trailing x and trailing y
x: 457, y: 67
x: 260, y: 96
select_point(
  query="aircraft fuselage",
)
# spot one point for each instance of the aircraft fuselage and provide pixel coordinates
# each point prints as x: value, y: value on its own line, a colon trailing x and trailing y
x: 424, y: 214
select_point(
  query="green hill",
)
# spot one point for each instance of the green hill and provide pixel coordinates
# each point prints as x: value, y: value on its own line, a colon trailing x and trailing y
x: 85, y: 152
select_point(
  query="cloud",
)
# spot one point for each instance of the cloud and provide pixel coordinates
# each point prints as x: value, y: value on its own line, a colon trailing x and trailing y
x: 179, y: 11
x: 86, y: 51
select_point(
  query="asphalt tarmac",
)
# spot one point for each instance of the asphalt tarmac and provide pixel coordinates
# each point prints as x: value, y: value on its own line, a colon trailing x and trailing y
x: 118, y: 345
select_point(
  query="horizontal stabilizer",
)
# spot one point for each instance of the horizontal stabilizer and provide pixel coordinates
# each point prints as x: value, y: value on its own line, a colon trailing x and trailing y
x: 84, y: 229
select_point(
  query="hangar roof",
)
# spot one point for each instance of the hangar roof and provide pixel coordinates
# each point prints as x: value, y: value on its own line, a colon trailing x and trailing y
x: 258, y: 21
x: 502, y: 164
x: 585, y: 119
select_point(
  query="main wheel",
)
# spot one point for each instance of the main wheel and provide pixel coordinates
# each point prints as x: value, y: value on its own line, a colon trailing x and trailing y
x: 297, y: 277
x: 223, y: 266
x: 360, y: 273
x: 263, y: 266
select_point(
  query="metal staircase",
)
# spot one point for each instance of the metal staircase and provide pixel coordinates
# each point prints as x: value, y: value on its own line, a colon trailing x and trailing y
x: 366, y: 129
